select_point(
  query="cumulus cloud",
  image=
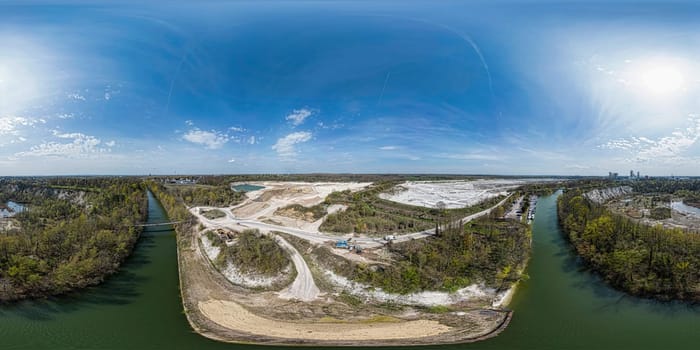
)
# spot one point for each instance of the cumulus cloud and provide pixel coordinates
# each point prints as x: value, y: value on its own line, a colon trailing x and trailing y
x: 76, y: 96
x: 210, y: 139
x: 671, y: 147
x: 10, y: 124
x: 388, y: 148
x: 285, y: 146
x: 232, y: 160
x: 80, y: 146
x: 298, y: 116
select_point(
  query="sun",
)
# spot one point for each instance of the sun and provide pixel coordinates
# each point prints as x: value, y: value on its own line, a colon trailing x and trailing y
x: 659, y: 77
x: 662, y: 80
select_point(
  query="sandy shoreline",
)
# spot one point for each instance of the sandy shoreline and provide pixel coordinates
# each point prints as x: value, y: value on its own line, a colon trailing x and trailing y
x: 231, y: 315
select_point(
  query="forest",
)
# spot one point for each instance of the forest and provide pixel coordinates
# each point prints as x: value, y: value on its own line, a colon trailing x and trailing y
x: 75, y: 232
x: 648, y: 261
x: 206, y: 195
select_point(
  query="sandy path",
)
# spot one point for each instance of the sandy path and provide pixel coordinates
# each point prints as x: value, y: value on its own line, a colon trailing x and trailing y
x: 303, y: 288
x: 233, y: 316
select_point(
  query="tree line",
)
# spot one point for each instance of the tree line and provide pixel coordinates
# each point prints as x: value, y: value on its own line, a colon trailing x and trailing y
x: 74, y: 233
x: 649, y: 261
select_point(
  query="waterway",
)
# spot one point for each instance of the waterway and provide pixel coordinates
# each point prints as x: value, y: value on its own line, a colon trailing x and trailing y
x: 559, y: 307
x: 12, y: 209
x: 685, y: 209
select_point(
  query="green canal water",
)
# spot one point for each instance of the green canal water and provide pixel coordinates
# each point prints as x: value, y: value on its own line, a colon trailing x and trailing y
x: 559, y: 307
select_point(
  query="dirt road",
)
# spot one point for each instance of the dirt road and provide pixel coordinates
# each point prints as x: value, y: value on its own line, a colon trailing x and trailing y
x: 303, y: 288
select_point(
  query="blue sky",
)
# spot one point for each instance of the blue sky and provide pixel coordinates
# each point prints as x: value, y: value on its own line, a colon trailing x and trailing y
x: 541, y: 87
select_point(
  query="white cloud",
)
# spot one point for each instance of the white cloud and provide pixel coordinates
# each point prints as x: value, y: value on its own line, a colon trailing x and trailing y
x: 66, y: 116
x: 672, y: 147
x: 388, y: 148
x: 236, y: 129
x: 189, y: 122
x: 298, y: 116
x: 81, y: 146
x: 252, y: 140
x: 108, y: 96
x: 110, y: 143
x: 76, y: 96
x: 10, y: 124
x: 285, y: 146
x: 211, y: 139
x: 232, y: 160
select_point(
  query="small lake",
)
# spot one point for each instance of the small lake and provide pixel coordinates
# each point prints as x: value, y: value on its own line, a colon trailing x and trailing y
x: 685, y: 209
x: 14, y: 209
x: 246, y: 188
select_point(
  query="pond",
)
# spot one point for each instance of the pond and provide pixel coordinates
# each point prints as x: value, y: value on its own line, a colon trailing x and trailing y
x: 685, y: 209
x: 246, y: 187
x: 11, y: 209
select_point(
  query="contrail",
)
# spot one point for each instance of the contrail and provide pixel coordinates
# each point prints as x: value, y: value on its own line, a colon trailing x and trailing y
x: 473, y: 45
x: 172, y: 81
x: 481, y: 57
x: 381, y: 95
x: 462, y: 36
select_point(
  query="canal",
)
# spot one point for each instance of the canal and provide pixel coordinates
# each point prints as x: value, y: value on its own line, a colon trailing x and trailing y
x: 559, y: 307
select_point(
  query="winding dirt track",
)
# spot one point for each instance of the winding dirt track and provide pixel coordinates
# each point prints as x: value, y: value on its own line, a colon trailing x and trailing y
x: 303, y: 288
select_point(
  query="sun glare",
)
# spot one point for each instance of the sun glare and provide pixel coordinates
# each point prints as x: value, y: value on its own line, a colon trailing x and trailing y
x: 661, y: 78
x: 20, y: 83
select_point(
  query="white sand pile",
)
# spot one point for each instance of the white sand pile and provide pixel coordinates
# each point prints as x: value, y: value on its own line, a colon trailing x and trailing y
x: 454, y: 194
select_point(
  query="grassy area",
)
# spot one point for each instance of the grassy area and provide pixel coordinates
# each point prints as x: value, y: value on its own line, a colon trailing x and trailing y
x: 213, y: 214
x: 297, y: 211
x: 254, y: 253
x: 660, y: 213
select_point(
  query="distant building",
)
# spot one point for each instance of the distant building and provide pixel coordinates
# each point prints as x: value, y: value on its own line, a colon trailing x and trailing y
x: 612, y: 176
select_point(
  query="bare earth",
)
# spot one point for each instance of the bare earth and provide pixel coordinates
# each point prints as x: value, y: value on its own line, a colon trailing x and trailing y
x: 304, y: 313
x: 232, y: 315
